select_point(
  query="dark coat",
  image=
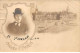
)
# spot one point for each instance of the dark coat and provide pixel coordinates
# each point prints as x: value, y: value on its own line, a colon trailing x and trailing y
x: 17, y: 30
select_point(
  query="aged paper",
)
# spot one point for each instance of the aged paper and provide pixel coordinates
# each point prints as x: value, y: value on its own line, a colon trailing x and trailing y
x: 39, y: 26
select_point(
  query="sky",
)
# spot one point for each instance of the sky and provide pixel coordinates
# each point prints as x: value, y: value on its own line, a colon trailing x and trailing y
x: 56, y: 6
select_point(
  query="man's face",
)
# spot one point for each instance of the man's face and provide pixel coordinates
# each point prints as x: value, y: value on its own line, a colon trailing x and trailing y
x: 18, y: 18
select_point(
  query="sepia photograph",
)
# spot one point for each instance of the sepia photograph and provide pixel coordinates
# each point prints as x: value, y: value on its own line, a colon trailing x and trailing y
x: 39, y: 26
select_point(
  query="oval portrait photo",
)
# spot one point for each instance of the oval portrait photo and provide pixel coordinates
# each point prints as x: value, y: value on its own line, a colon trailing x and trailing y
x: 19, y: 24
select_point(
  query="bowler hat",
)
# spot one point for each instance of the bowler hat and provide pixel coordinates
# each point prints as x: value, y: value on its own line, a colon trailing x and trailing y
x: 18, y: 11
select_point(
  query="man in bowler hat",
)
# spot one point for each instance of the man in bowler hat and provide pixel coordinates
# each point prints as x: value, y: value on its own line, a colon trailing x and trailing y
x: 18, y: 27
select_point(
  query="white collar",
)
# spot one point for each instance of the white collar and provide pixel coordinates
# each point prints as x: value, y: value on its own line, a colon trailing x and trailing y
x: 16, y: 23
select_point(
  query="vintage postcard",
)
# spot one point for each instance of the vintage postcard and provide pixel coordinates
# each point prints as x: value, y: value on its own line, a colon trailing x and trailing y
x: 39, y: 25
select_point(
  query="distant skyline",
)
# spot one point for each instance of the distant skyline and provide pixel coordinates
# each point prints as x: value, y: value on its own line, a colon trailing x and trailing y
x: 56, y: 6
